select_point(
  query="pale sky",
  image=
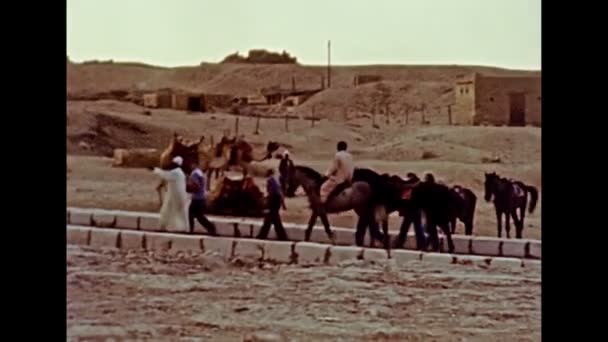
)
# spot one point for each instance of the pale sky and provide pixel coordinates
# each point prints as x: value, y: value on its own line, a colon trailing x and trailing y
x: 504, y: 33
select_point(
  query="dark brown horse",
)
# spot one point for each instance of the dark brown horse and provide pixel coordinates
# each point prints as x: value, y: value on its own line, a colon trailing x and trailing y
x: 463, y: 208
x: 432, y: 199
x: 510, y: 195
x: 357, y: 197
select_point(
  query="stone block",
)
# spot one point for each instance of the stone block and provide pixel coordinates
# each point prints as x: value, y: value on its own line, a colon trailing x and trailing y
x: 219, y: 245
x: 486, y: 246
x: 375, y: 254
x: 535, y: 265
x: 294, y: 232
x: 159, y: 241
x: 439, y: 258
x: 131, y: 240
x: 78, y: 235
x: 249, y: 249
x: 344, y: 236
x: 462, y: 244
x: 80, y: 217
x: 506, y: 262
x: 107, y: 238
x: 337, y: 254
x: 103, y: 220
x: 535, y: 250
x: 514, y: 248
x: 473, y: 260
x: 149, y: 222
x: 127, y: 221
x: 402, y: 256
x: 309, y: 253
x: 186, y: 243
x: 278, y: 251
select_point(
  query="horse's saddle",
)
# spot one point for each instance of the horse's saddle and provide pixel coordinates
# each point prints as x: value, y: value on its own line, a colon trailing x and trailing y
x: 459, y: 191
x: 406, y: 194
x: 518, y: 191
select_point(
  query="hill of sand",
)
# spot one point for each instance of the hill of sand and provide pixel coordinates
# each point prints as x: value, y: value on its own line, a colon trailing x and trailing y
x: 403, y: 85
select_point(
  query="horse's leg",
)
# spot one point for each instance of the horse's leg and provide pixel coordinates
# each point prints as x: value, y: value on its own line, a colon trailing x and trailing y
x: 362, y: 224
x: 508, y: 222
x: 328, y: 231
x: 499, y: 222
x: 418, y: 230
x: 468, y: 226
x: 453, y: 224
x: 311, y: 223
x: 431, y: 227
x: 387, y: 238
x: 520, y: 229
x: 446, y: 231
x: 405, y: 227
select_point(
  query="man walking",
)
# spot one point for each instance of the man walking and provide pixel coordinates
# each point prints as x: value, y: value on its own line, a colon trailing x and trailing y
x: 275, y: 201
x: 197, y: 185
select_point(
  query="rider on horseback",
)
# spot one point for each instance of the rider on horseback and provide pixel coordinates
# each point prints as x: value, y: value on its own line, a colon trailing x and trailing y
x: 339, y: 175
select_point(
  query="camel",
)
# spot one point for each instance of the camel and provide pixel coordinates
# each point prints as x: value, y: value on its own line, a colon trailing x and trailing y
x: 188, y: 150
x: 242, y: 153
x: 212, y: 158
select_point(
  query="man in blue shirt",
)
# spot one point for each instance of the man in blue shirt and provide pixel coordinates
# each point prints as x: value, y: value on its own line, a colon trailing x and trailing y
x: 275, y: 201
x: 197, y: 185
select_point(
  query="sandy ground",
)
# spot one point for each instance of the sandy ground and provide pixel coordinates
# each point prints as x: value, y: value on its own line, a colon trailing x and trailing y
x: 140, y: 295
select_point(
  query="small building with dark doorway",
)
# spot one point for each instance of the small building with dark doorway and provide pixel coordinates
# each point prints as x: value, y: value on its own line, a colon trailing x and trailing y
x: 189, y: 101
x: 497, y: 100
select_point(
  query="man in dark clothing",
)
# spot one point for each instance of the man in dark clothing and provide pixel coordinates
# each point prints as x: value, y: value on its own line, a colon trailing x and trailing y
x: 197, y: 186
x: 275, y: 201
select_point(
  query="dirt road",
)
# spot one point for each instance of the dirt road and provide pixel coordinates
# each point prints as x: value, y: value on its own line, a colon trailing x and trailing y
x: 139, y: 295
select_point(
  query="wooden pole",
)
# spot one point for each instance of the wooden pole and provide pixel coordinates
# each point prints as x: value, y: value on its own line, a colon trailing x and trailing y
x: 388, y: 120
x: 374, y: 116
x: 329, y: 64
x: 236, y: 126
x: 257, y: 124
x: 450, y: 114
x: 286, y: 122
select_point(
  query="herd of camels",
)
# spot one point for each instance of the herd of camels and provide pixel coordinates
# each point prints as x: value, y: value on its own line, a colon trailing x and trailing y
x: 214, y: 158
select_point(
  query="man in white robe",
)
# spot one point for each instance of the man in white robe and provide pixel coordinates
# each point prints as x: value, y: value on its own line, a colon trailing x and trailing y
x: 174, y: 210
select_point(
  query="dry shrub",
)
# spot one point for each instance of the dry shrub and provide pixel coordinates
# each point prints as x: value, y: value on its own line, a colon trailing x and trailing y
x: 429, y: 155
x: 492, y: 160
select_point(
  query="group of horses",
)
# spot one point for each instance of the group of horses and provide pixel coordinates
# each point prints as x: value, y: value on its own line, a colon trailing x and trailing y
x: 373, y: 196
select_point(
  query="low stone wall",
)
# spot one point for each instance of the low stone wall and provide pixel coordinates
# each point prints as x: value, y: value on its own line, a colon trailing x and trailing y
x: 248, y: 228
x: 301, y: 253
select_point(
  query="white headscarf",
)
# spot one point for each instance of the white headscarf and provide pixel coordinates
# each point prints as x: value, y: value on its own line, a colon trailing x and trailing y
x: 178, y: 160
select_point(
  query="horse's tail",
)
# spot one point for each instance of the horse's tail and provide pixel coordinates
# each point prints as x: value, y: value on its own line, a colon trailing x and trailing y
x: 534, y: 194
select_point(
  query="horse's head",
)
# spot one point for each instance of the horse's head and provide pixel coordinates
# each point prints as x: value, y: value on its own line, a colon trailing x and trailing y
x: 490, y: 185
x: 271, y: 147
x: 287, y: 174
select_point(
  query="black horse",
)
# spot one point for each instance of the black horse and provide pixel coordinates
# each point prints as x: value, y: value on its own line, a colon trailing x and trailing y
x: 462, y: 208
x: 435, y: 201
x: 510, y: 195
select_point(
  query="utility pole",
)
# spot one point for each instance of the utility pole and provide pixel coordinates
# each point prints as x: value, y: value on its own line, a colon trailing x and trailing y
x: 329, y: 64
